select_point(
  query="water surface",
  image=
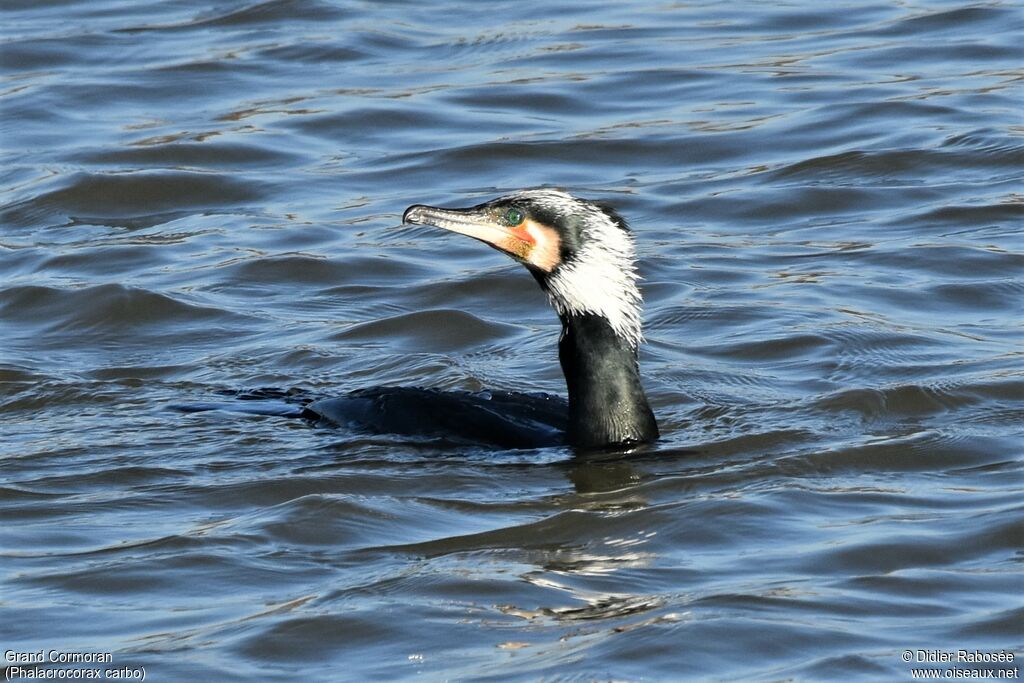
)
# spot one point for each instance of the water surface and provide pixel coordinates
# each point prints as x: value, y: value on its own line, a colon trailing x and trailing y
x: 205, y: 197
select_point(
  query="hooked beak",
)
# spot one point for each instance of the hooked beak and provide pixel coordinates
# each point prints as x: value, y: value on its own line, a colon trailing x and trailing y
x: 477, y: 222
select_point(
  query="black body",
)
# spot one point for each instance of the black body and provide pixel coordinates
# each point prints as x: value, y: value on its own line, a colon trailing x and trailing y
x: 498, y: 418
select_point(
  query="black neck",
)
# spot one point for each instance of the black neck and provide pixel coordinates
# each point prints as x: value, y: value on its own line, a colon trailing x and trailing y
x: 607, y: 404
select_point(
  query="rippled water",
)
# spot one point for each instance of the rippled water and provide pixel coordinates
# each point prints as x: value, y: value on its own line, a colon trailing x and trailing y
x: 206, y: 197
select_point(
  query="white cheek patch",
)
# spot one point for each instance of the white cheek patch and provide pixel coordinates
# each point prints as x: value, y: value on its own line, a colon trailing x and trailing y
x: 546, y: 246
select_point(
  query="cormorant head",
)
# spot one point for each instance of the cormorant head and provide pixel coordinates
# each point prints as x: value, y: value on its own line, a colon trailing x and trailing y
x: 580, y: 252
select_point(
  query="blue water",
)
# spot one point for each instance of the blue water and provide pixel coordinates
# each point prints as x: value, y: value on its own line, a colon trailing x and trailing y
x: 201, y: 198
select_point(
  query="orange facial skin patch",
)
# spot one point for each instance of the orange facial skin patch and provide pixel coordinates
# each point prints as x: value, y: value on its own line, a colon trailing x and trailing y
x: 520, y: 242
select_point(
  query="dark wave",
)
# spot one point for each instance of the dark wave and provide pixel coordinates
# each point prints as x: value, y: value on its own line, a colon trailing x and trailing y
x: 130, y: 198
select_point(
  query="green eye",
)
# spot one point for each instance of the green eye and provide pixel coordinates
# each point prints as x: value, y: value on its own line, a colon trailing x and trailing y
x: 514, y: 216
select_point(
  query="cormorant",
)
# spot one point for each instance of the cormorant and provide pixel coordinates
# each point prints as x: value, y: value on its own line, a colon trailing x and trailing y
x: 581, y: 253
